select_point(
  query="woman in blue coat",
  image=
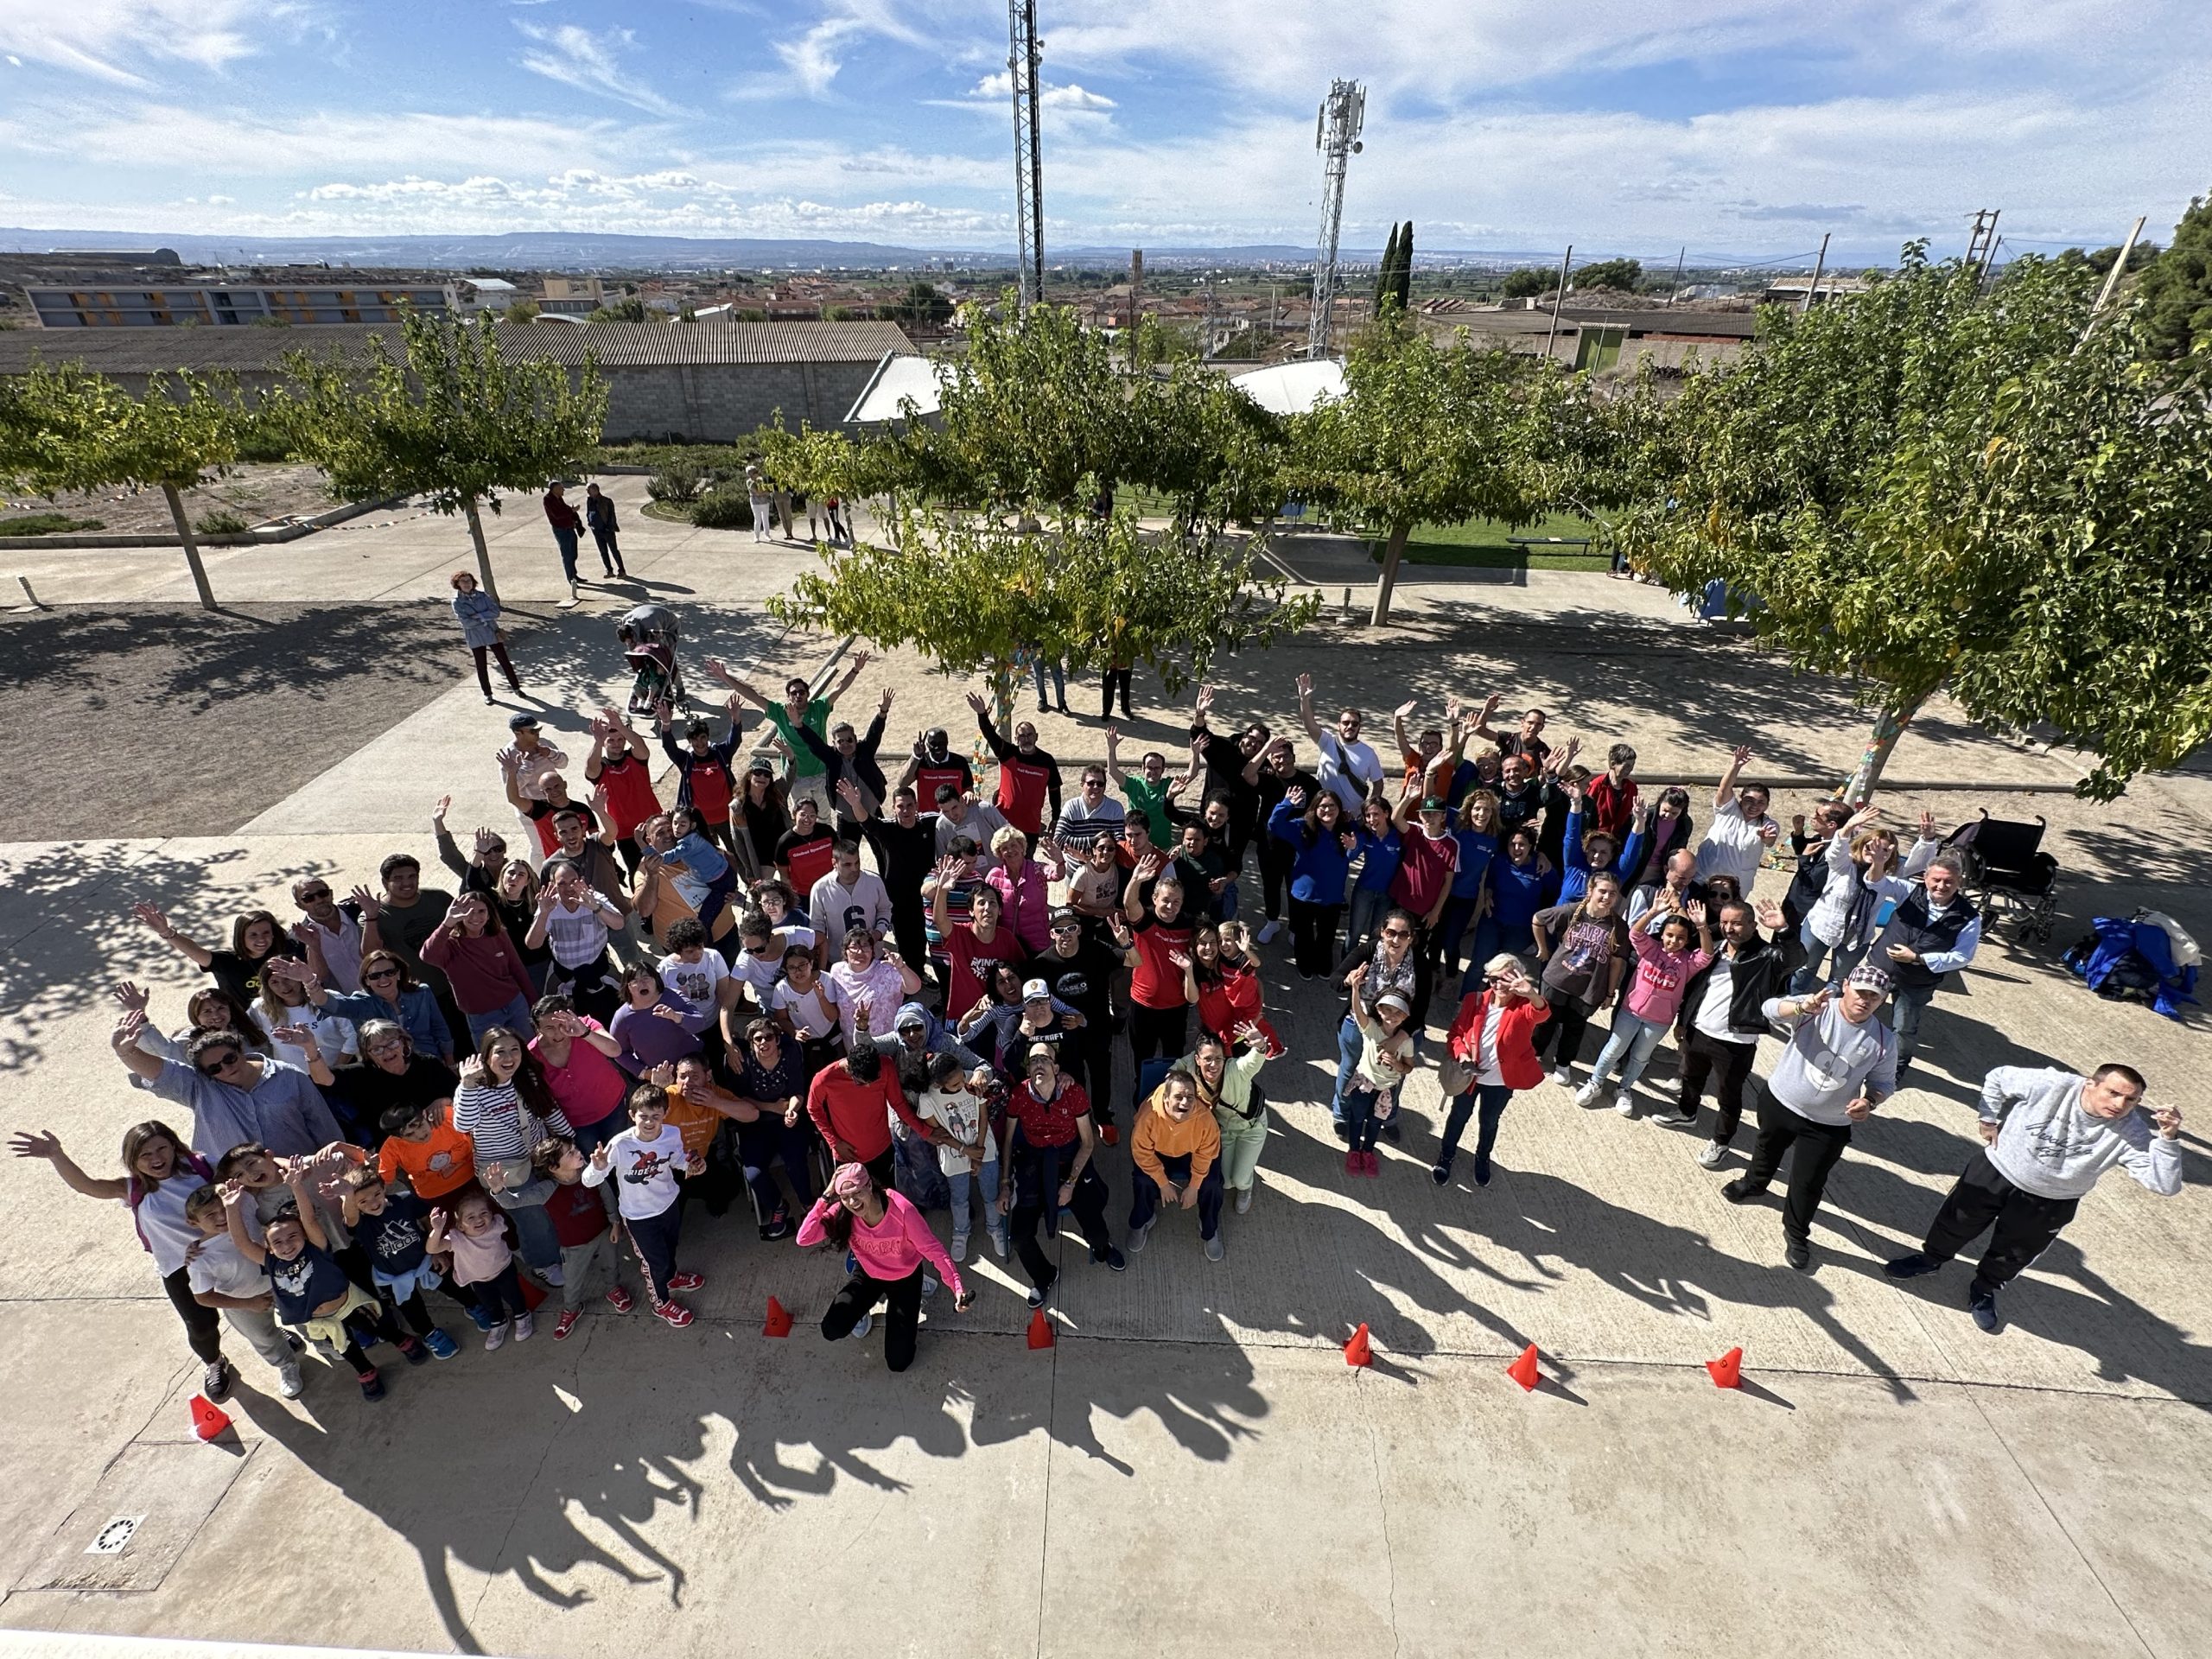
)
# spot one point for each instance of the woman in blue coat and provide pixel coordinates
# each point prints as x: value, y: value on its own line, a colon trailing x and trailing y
x: 1522, y: 882
x: 1322, y: 843
x: 479, y: 630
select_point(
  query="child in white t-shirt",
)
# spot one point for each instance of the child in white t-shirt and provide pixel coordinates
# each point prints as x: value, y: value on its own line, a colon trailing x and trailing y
x: 221, y: 1277
x: 956, y: 1101
x: 644, y: 1161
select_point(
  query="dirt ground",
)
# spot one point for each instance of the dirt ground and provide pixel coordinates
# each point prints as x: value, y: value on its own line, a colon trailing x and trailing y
x: 153, y: 721
x: 256, y: 493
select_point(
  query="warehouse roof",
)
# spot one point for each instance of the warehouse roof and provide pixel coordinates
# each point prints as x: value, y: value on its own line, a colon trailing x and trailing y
x: 617, y: 345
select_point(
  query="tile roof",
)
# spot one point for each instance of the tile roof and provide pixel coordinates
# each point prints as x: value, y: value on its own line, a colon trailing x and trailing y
x: 618, y: 345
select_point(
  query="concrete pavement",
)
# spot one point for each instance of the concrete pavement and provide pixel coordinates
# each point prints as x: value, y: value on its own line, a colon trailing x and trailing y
x: 1193, y: 1468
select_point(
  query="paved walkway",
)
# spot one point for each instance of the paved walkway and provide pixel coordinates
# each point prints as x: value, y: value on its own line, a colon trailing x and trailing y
x: 1193, y: 1468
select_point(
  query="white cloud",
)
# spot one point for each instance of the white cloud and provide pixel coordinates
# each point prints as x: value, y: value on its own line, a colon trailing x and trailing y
x: 591, y: 63
x: 106, y: 38
x: 814, y: 57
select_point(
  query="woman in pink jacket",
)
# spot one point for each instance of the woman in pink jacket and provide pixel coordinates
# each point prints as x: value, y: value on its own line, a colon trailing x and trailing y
x: 1492, y: 1050
x: 1664, y: 965
x: 889, y: 1240
x: 1021, y: 880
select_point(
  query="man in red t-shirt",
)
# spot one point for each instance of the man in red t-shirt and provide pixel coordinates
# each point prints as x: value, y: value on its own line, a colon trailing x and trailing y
x: 809, y: 849
x: 620, y: 764
x: 934, y: 765
x: 973, y: 947
x: 851, y: 1101
x: 1429, y: 860
x: 1029, y: 779
x: 1161, y: 923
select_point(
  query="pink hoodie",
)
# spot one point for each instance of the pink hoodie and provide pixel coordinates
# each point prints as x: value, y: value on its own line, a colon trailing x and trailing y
x: 892, y: 1248
x: 1661, y: 974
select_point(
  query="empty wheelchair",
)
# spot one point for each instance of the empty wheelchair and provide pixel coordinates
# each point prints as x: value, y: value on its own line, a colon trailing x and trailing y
x: 2008, y: 875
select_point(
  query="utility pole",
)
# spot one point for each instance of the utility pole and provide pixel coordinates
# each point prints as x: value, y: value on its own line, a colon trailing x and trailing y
x: 1677, y: 287
x: 2112, y: 278
x: 1136, y: 300
x: 1336, y: 135
x: 1029, y: 161
x: 1820, y: 265
x: 1559, y: 298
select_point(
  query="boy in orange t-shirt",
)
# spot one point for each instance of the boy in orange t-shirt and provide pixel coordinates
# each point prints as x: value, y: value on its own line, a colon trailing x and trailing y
x: 437, y: 1159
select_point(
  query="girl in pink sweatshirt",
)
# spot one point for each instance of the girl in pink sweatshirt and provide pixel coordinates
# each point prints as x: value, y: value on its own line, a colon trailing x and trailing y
x: 1664, y: 965
x: 888, y: 1241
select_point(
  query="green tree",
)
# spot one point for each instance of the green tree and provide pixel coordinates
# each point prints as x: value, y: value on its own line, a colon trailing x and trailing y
x: 629, y: 310
x: 1626, y: 275
x: 65, y: 429
x: 1386, y: 272
x: 922, y: 306
x: 968, y: 593
x: 523, y: 311
x: 1526, y: 283
x: 1401, y: 270
x: 1928, y: 486
x: 2176, y: 289
x: 1426, y: 434
x: 453, y: 420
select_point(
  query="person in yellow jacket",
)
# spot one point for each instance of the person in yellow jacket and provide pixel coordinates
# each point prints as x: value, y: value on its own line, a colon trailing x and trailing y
x: 1176, y: 1150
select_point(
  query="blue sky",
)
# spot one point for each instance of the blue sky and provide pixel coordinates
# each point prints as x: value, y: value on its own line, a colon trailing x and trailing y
x: 1735, y: 126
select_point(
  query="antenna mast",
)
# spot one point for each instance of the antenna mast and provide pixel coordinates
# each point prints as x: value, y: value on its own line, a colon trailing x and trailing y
x: 1336, y: 135
x: 1028, y: 161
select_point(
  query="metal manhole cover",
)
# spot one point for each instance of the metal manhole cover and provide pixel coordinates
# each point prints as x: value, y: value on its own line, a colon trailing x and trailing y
x: 110, y: 1539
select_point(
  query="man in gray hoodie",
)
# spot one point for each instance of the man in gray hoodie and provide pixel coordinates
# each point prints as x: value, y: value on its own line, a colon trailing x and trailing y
x: 2050, y: 1136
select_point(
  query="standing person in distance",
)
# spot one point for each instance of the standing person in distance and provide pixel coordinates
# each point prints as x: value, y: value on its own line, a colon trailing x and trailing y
x: 567, y: 526
x: 599, y: 513
x: 1741, y: 832
x: 1349, y: 769
x: 2048, y: 1137
x: 478, y: 613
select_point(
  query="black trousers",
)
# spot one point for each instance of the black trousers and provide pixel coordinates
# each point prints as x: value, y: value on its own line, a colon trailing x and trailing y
x: 1562, y: 1034
x: 1730, y: 1066
x: 908, y: 928
x: 203, y: 1327
x: 507, y: 666
x: 1818, y: 1144
x: 1111, y: 678
x: 610, y: 552
x: 2024, y: 1225
x: 1036, y: 1178
x: 901, y: 1319
x: 1278, y: 858
x: 1313, y: 935
x: 1158, y: 1031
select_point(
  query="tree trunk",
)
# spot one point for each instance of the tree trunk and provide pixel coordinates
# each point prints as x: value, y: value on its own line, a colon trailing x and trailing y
x: 1394, y: 552
x: 483, y: 552
x: 191, y: 547
x: 1889, y: 726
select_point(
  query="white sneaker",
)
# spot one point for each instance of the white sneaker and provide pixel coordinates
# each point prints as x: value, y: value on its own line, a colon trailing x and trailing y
x: 866, y: 1325
x: 1266, y: 934
x: 1625, y: 1103
x: 551, y: 1275
x: 496, y: 1336
x: 959, y: 1249
x: 290, y: 1383
x: 525, y: 1326
x: 1713, y: 1156
x: 1592, y: 1092
x: 1562, y: 1077
x: 1003, y: 1241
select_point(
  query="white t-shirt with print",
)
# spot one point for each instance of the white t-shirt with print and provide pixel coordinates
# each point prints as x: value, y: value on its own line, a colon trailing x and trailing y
x: 963, y: 1115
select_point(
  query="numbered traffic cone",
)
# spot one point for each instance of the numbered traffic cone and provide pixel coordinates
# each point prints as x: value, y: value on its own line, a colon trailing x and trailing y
x: 1728, y: 1369
x: 778, y: 1322
x: 1359, y: 1351
x: 207, y: 1421
x: 1040, y: 1330
x: 1523, y: 1370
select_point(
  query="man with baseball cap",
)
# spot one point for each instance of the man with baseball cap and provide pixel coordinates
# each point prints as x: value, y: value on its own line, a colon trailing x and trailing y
x: 524, y: 765
x: 1840, y: 1063
x: 2050, y: 1136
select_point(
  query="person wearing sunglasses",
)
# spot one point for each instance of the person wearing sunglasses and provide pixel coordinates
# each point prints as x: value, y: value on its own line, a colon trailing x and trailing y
x: 390, y: 992
x: 1370, y: 971
x: 328, y: 933
x: 235, y: 1095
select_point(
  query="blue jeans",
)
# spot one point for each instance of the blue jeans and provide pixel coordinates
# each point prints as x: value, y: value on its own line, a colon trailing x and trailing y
x: 1348, y: 1045
x: 985, y: 1182
x: 1145, y: 1193
x: 1633, y: 1039
x: 540, y: 1244
x: 1368, y: 907
x: 1907, y: 1004
x: 1807, y: 979
x: 1451, y: 928
x: 515, y: 1017
x: 1059, y: 682
x: 1491, y: 1098
x: 566, y: 538
x: 1360, y: 1119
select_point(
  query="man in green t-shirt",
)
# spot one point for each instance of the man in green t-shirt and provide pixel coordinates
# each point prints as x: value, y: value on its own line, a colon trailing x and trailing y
x: 804, y: 774
x: 1150, y: 790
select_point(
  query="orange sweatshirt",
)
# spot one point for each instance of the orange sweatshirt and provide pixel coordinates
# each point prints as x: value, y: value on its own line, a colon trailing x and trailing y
x: 1159, y: 1137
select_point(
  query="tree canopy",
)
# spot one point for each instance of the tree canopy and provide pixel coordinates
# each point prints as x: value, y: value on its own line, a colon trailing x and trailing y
x: 453, y: 421
x: 1935, y: 485
x: 2176, y: 289
x: 1525, y: 283
x: 64, y: 429
x: 1626, y: 275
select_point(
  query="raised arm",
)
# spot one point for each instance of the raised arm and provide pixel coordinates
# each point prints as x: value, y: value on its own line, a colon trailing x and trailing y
x: 1306, y: 712
x: 998, y: 746
x: 716, y: 669
x: 852, y: 673
x: 1724, y: 794
x: 123, y: 1040
x: 191, y: 950
x: 44, y: 1143
x: 1482, y: 727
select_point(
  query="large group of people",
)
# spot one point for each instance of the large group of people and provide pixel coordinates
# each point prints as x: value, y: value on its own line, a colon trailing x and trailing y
x: 844, y: 984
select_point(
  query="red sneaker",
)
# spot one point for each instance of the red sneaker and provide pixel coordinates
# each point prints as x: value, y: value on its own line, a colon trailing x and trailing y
x: 567, y: 1323
x: 674, y: 1315
x: 1110, y: 1134
x: 686, y: 1281
x: 1373, y: 1161
x: 620, y: 1300
x: 1354, y: 1164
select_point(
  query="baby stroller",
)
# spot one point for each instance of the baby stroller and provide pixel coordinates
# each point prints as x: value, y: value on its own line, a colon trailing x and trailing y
x: 648, y: 633
x: 2008, y: 873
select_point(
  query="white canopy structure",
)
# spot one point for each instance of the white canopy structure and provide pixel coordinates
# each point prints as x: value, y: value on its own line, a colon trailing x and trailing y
x: 898, y: 379
x: 1294, y: 388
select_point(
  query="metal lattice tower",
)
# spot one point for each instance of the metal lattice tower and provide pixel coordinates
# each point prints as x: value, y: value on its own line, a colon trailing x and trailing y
x: 1336, y: 135
x: 1028, y: 160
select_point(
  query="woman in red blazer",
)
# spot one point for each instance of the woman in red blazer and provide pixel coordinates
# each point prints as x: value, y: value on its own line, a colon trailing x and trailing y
x: 1493, y: 1043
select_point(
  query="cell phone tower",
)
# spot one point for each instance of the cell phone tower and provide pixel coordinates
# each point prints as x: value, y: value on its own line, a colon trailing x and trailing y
x: 1028, y: 160
x: 1336, y: 135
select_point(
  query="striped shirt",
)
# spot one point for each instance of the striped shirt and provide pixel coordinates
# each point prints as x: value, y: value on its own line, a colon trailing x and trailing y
x: 493, y: 1115
x: 577, y: 937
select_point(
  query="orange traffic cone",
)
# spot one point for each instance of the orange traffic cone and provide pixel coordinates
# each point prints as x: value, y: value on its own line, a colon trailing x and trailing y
x: 1041, y: 1331
x: 779, y: 1319
x: 1359, y: 1351
x: 207, y: 1421
x: 1728, y: 1369
x: 1523, y: 1370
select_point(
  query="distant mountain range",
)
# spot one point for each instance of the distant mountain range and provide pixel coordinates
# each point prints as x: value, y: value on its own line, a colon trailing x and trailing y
x: 584, y: 251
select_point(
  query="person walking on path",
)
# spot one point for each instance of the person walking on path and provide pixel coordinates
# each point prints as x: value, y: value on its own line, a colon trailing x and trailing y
x: 478, y: 615
x: 599, y: 513
x: 2050, y: 1136
x: 1840, y: 1063
x: 756, y: 494
x: 567, y: 526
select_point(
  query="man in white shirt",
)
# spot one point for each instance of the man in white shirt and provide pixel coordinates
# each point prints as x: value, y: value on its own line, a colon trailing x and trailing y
x: 330, y: 936
x: 960, y: 815
x: 1349, y: 769
x: 1740, y: 832
x: 848, y: 897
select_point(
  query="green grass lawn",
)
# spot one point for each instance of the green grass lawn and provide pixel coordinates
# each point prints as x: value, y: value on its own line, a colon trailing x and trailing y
x: 1482, y: 542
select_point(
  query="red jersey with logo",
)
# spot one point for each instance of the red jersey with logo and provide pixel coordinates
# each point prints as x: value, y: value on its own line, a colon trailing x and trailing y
x: 630, y: 798
x: 1025, y: 788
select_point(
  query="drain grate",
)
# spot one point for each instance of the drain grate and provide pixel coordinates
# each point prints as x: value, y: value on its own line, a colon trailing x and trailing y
x: 113, y: 1538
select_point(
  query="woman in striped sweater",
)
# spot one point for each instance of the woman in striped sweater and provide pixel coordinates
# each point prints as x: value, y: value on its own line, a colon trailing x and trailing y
x: 505, y: 1107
